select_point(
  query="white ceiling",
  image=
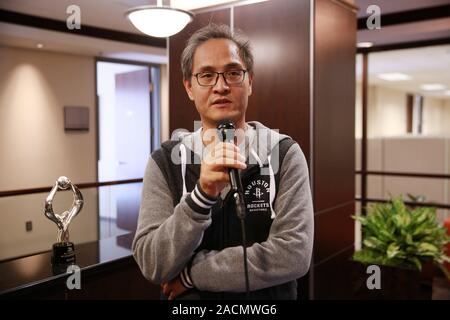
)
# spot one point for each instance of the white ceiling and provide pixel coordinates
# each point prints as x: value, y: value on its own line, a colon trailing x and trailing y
x: 28, y: 37
x: 108, y: 14
x: 424, y: 65
x: 198, y: 4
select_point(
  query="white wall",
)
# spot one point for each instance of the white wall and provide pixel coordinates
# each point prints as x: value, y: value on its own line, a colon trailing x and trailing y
x: 386, y: 112
x: 433, y: 117
x: 34, y: 88
x: 391, y: 109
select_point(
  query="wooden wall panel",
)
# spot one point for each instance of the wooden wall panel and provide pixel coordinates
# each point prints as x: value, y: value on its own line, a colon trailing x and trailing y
x: 333, y: 147
x: 334, y: 231
x: 333, y: 277
x: 182, y: 112
x: 279, y: 34
x: 334, y: 104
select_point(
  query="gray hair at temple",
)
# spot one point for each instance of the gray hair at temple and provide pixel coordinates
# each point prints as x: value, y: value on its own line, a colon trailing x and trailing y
x: 214, y: 31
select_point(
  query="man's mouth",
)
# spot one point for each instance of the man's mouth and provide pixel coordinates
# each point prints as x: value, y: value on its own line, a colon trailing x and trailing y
x: 221, y: 103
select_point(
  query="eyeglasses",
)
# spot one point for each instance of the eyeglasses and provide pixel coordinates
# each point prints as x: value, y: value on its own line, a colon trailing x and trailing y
x: 210, y: 78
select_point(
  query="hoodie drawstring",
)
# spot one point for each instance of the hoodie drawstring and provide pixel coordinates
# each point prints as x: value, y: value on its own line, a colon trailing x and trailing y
x: 272, y: 185
x: 255, y: 155
x: 183, y: 167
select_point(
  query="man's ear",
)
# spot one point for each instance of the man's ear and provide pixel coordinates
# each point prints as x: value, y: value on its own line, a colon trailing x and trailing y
x: 188, y: 87
x: 250, y: 82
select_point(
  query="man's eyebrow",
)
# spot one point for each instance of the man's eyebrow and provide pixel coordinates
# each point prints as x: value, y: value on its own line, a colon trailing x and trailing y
x: 227, y: 67
x: 206, y: 68
x: 233, y: 65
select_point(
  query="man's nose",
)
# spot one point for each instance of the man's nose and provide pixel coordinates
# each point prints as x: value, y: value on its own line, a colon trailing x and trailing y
x: 221, y: 85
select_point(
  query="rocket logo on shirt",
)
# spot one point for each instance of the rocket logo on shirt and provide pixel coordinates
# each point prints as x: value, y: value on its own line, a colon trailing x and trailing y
x: 256, y: 194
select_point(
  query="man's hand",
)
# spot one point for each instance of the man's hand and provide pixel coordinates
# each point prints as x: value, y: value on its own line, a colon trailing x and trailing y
x: 214, y: 168
x: 173, y: 288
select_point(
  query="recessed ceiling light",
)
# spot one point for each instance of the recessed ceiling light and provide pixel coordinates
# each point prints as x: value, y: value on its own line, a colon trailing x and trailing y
x: 394, y: 76
x: 364, y: 44
x: 432, y: 87
x: 39, y: 45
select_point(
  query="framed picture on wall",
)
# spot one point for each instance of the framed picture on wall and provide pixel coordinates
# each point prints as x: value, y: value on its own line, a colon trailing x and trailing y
x: 76, y: 118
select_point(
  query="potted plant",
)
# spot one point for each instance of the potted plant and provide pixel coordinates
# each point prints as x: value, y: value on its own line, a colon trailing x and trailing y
x: 404, y: 242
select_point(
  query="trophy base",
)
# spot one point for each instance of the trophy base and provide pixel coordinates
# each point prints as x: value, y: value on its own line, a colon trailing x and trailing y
x: 63, y: 253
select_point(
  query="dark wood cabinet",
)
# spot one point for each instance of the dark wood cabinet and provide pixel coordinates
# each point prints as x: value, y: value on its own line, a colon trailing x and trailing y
x: 106, y: 269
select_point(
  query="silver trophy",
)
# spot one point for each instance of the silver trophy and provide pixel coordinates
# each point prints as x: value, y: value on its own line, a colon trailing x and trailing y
x: 63, y: 249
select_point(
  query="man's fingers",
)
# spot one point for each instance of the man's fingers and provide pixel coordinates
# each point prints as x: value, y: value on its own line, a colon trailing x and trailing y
x: 225, y: 149
x: 220, y: 176
x: 236, y: 154
x: 223, y: 164
x: 223, y: 146
x: 225, y: 161
x: 165, y: 289
x: 216, y: 164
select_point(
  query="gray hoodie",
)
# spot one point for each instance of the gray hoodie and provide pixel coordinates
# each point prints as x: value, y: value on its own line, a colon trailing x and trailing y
x: 182, y: 231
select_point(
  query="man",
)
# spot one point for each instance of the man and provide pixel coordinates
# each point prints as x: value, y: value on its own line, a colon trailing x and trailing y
x: 189, y: 237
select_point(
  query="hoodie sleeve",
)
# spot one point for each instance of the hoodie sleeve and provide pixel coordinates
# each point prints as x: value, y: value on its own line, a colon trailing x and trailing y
x: 284, y: 256
x: 167, y: 236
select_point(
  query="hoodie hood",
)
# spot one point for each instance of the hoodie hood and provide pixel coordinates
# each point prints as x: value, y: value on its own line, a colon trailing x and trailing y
x: 260, y: 141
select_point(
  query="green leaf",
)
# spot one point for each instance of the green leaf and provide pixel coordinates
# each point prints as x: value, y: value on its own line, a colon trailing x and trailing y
x: 392, y: 250
x: 370, y: 243
x: 409, y: 239
x: 416, y: 263
x: 427, y: 247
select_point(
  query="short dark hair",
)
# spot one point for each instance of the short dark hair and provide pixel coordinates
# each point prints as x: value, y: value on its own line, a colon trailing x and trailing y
x: 214, y: 31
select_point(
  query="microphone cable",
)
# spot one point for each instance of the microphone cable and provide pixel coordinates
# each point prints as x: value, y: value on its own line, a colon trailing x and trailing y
x: 240, y: 207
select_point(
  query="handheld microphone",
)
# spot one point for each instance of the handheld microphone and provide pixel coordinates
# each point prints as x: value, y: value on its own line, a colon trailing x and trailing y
x: 226, y: 130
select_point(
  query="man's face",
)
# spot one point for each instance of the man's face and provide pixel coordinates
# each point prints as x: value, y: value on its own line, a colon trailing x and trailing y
x: 222, y: 101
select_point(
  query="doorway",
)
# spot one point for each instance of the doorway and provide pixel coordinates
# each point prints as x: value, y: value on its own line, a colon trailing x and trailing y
x: 128, y: 115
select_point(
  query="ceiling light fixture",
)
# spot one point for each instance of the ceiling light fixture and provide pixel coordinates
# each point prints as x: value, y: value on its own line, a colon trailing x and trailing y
x: 394, y: 76
x: 432, y: 87
x: 159, y: 21
x: 39, y: 45
x: 364, y: 44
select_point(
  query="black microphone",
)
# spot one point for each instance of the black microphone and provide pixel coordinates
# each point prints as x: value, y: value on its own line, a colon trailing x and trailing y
x: 226, y: 130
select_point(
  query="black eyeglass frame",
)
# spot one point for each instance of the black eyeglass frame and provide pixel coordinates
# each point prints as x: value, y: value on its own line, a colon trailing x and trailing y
x: 218, y: 74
